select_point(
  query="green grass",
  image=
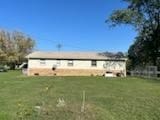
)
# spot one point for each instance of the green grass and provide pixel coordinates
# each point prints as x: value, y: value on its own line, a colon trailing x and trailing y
x: 106, y: 98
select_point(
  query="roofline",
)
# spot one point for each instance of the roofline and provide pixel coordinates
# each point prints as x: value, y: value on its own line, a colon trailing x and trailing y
x: 114, y: 59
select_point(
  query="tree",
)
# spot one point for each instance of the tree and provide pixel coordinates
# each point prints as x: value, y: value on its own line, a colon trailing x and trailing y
x: 144, y: 16
x: 4, y: 46
x: 113, y: 55
x: 14, y: 46
x: 23, y: 45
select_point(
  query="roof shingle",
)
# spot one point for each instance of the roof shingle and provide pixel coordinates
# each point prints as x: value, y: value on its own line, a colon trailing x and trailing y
x: 70, y: 55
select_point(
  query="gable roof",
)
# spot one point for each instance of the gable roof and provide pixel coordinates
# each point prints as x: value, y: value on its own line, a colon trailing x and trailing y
x: 70, y: 55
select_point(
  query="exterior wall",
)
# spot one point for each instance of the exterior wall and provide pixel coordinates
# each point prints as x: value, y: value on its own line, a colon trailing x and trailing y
x: 79, y: 68
x: 65, y: 72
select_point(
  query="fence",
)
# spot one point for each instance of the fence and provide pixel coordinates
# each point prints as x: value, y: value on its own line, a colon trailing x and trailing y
x: 148, y: 72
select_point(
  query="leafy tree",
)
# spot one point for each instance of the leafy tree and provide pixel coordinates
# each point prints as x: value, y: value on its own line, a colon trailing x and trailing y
x: 3, y: 46
x: 14, y: 46
x: 23, y: 45
x: 113, y: 55
x: 144, y: 16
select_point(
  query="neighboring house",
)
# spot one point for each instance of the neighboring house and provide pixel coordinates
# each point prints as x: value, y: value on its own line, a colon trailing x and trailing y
x: 74, y: 64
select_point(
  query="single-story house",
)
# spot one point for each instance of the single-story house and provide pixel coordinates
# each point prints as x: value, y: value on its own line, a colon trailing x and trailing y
x: 74, y: 64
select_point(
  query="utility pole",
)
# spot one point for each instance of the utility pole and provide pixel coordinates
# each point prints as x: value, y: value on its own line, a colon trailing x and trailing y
x: 59, y: 46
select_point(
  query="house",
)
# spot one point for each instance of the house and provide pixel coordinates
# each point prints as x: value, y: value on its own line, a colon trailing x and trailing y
x: 74, y: 64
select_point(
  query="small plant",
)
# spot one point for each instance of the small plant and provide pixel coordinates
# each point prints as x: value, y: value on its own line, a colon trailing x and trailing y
x: 61, y: 102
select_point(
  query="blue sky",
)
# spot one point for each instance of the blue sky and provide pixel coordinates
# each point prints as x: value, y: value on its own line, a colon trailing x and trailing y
x: 79, y: 25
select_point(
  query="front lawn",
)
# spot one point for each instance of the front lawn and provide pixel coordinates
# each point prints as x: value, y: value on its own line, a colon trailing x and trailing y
x: 37, y: 98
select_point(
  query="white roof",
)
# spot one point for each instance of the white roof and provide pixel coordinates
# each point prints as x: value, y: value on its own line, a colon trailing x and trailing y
x: 70, y: 55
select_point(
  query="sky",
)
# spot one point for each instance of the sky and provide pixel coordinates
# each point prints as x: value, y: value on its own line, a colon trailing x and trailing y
x: 78, y: 25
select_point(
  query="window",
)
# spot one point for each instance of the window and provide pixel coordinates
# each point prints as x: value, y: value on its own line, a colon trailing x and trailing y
x: 93, y: 63
x: 58, y: 63
x: 70, y: 63
x: 42, y: 61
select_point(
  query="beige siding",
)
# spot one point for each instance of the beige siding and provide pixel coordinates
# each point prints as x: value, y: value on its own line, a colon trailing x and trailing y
x: 82, y: 65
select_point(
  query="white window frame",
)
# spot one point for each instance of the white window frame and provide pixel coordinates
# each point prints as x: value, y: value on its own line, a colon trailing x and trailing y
x: 42, y: 62
x: 58, y: 62
x: 93, y: 65
x: 70, y: 63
